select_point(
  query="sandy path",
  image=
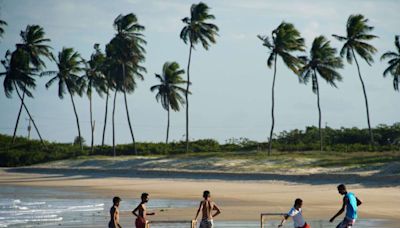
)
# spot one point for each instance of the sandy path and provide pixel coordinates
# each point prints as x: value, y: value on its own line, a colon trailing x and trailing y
x: 239, y: 200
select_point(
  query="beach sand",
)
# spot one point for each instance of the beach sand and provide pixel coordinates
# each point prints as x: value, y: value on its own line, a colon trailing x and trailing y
x: 240, y: 200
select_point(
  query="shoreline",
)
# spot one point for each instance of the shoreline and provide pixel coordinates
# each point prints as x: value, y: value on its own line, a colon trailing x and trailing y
x: 250, y: 197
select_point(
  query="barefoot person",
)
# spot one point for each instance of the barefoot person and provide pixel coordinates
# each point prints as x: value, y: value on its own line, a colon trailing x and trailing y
x: 114, y: 214
x: 141, y: 212
x: 296, y: 214
x: 350, y: 203
x: 206, y: 207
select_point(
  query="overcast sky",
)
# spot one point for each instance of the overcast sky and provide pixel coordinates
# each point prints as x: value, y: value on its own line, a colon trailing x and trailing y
x: 231, y: 90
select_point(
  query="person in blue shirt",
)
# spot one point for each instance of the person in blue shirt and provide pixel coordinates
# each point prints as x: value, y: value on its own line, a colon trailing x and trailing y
x: 350, y: 203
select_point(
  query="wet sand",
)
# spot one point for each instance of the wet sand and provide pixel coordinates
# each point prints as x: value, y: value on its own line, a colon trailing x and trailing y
x: 240, y: 200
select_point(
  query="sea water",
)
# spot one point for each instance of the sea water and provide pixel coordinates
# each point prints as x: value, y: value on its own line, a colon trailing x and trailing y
x: 51, y: 207
x: 54, y: 207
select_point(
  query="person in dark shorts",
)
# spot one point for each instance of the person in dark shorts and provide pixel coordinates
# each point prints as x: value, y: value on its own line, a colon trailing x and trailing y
x: 114, y: 214
x: 350, y: 204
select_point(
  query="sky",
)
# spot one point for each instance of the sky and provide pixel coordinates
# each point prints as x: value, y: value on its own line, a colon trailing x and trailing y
x: 231, y: 83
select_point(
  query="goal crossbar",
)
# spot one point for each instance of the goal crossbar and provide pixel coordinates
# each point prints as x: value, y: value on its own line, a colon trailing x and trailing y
x: 263, y: 215
x: 192, y: 223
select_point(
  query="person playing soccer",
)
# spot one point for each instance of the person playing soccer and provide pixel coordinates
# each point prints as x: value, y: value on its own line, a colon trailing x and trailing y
x: 296, y: 213
x: 350, y: 203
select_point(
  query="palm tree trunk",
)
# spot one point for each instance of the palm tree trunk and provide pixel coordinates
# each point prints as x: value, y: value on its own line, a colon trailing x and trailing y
x: 127, y: 115
x: 91, y: 123
x: 187, y: 98
x: 17, y: 122
x: 29, y: 114
x: 366, y: 100
x: 105, y: 118
x: 113, y: 123
x: 166, y: 141
x: 272, y: 110
x: 319, y: 113
x: 77, y: 119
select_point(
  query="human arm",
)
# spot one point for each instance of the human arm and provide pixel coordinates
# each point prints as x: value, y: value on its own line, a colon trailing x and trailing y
x: 198, y: 211
x: 341, y: 209
x: 135, y: 210
x: 151, y: 213
x: 358, y: 202
x: 216, y: 208
x: 285, y: 217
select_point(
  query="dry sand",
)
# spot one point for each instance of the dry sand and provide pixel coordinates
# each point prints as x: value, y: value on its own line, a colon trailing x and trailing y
x: 239, y: 200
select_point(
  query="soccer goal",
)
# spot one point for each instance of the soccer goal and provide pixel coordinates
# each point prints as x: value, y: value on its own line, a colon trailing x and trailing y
x: 263, y: 217
x: 192, y: 223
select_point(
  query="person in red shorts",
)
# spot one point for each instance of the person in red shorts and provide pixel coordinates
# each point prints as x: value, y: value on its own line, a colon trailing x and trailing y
x: 297, y: 216
x: 141, y: 212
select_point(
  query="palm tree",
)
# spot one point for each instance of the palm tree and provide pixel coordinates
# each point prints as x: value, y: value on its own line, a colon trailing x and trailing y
x: 168, y: 91
x: 322, y: 62
x: 285, y: 39
x: 94, y: 78
x: 34, y: 47
x: 197, y: 29
x: 358, y: 33
x: 2, y: 23
x: 19, y: 74
x: 110, y: 85
x: 127, y: 50
x: 69, y: 65
x: 394, y: 63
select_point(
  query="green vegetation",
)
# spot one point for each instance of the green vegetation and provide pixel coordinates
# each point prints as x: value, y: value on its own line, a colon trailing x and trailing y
x: 286, y: 39
x: 356, y: 41
x: 394, y: 63
x: 197, y: 29
x: 119, y: 67
x: 351, y: 143
x: 169, y: 92
x: 322, y: 62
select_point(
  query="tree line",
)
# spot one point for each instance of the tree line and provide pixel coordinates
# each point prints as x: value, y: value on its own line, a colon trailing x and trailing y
x: 337, y: 141
x: 118, y: 68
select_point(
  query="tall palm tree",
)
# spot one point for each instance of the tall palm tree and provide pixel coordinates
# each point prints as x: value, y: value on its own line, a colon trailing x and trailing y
x: 358, y: 33
x: 110, y: 85
x: 2, y: 24
x: 285, y: 39
x: 394, y: 63
x: 69, y: 65
x: 94, y: 79
x: 126, y: 48
x: 323, y: 62
x: 197, y: 29
x: 34, y: 46
x: 168, y: 91
x: 18, y: 75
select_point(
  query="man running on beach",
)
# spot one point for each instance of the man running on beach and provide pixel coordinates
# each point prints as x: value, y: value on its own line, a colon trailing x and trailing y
x: 296, y: 214
x: 207, y: 206
x: 141, y: 208
x: 114, y: 214
x: 350, y: 202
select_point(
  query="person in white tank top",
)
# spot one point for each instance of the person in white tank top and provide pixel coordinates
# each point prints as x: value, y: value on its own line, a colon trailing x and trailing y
x: 297, y: 216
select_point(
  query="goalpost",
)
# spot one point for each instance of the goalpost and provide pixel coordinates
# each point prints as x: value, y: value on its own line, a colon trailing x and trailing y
x: 263, y: 215
x: 192, y: 223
